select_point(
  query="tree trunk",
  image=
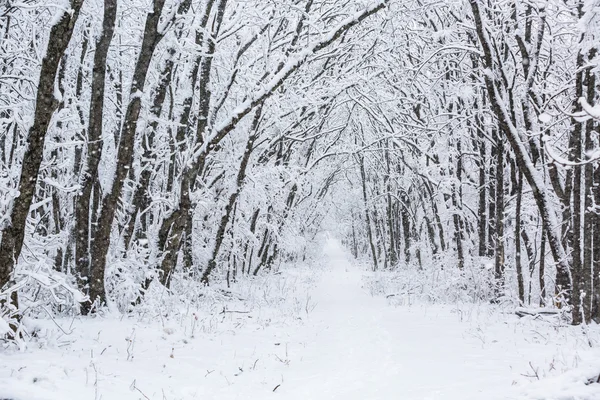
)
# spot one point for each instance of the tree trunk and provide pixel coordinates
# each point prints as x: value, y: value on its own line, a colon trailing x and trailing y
x: 45, y: 106
x: 212, y: 263
x: 499, y: 245
x: 457, y: 212
x: 596, y: 250
x: 248, y: 247
x: 141, y: 194
x: 89, y: 178
x: 588, y: 215
x: 367, y: 214
x: 101, y: 236
x: 520, y: 281
x: 542, y: 269
x: 405, y: 217
x: 577, y: 267
x: 491, y: 231
x: 482, y: 205
x: 171, y: 230
x: 393, y: 257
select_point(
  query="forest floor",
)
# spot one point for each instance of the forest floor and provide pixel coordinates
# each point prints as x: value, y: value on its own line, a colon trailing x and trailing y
x: 311, y: 338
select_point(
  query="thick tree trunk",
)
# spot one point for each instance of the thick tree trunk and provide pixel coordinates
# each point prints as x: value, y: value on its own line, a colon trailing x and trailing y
x: 457, y: 212
x: 58, y: 222
x: 263, y: 251
x: 436, y: 216
x: 596, y: 250
x: 577, y: 267
x: 587, y: 193
x: 45, y: 106
x: 482, y: 205
x: 89, y: 180
x: 152, y: 35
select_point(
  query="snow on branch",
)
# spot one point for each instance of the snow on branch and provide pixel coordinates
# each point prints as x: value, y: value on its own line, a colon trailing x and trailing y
x: 229, y: 123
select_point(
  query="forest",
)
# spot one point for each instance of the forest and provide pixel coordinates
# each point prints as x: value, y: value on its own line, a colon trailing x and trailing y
x: 154, y: 149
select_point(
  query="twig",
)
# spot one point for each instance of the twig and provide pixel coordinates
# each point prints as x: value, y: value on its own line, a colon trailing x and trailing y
x: 95, y: 380
x: 138, y: 389
x: 534, y: 371
x: 234, y: 312
x: 55, y: 323
x: 228, y: 383
x: 130, y: 344
x: 133, y: 387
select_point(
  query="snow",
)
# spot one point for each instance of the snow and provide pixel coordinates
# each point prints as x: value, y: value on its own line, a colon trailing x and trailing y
x: 291, y: 65
x: 336, y: 342
x: 545, y: 118
x: 62, y: 7
x: 592, y: 111
x: 4, y: 327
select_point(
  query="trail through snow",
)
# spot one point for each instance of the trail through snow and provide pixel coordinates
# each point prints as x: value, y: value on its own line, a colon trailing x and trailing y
x: 365, y: 349
x: 350, y: 346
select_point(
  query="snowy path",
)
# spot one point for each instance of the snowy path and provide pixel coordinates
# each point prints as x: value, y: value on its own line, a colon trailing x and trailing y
x: 351, y: 346
x: 365, y: 349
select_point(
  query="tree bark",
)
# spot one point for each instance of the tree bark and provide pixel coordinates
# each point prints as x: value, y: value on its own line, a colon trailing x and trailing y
x: 577, y: 266
x: 499, y: 239
x: 45, y: 106
x: 542, y: 269
x: 588, y: 271
x: 482, y: 205
x: 89, y: 178
x: 457, y: 212
x: 520, y: 280
x: 102, y: 234
x: 393, y: 257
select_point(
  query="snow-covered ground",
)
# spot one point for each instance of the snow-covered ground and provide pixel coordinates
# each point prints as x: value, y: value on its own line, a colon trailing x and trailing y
x: 323, y: 339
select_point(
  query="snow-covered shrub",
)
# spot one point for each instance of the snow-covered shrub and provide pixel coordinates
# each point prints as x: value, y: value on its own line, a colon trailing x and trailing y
x: 438, y: 282
x: 280, y: 295
x: 124, y: 279
x: 43, y: 292
x: 43, y: 289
